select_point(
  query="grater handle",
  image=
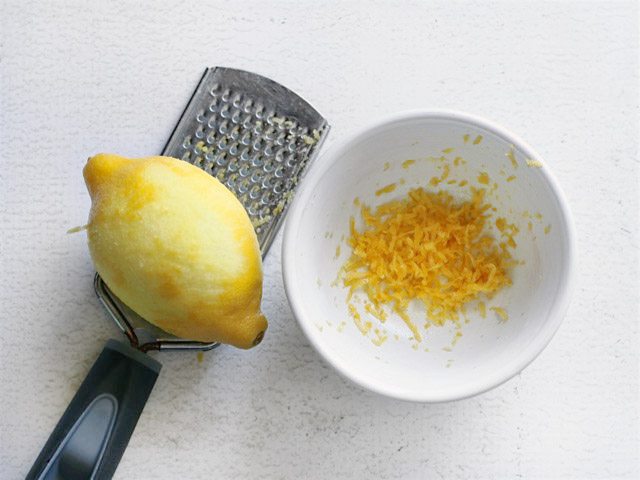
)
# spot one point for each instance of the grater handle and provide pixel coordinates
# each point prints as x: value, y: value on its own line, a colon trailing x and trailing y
x: 93, y: 433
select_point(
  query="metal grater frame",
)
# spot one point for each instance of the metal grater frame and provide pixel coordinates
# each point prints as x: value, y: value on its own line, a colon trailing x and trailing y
x: 258, y: 138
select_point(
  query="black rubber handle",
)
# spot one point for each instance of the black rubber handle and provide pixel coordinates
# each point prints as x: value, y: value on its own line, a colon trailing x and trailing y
x: 93, y: 433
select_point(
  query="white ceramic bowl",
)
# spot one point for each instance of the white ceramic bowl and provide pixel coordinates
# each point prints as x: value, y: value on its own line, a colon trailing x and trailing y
x: 490, y: 351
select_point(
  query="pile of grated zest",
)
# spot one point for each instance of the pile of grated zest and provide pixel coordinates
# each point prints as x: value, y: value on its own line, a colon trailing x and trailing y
x: 428, y: 247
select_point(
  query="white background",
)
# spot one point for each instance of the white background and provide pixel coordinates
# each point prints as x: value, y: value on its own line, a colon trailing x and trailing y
x: 85, y: 77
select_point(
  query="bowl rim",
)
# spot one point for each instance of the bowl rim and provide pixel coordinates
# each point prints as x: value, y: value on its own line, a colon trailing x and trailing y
x: 480, y: 385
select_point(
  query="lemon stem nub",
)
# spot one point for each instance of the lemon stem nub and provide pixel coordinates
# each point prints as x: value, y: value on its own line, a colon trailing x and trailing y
x: 258, y: 339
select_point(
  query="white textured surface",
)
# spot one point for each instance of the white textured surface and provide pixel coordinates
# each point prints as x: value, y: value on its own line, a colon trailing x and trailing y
x: 79, y: 78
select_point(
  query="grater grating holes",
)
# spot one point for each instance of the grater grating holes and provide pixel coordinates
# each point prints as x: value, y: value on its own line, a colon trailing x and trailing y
x: 249, y: 148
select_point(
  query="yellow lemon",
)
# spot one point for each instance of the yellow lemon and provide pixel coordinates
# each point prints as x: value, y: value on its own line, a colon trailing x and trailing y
x: 177, y: 247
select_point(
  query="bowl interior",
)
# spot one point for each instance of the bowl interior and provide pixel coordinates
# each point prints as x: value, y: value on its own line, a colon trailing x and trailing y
x: 490, y: 351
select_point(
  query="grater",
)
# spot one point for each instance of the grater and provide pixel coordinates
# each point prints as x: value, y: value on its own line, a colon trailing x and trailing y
x: 255, y: 136
x: 258, y: 138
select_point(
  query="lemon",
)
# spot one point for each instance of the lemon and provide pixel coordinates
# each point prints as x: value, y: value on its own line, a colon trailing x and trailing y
x: 177, y: 247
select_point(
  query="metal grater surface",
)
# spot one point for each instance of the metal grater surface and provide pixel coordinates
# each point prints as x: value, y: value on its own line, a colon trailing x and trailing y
x: 255, y: 136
